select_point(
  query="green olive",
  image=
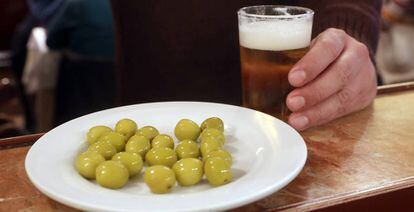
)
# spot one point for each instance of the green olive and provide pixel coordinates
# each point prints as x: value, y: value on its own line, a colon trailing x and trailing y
x: 188, y: 171
x: 221, y: 154
x: 213, y: 122
x: 95, y: 132
x: 187, y: 149
x: 87, y: 162
x: 148, y: 131
x: 112, y: 174
x: 160, y: 179
x: 161, y: 156
x: 116, y: 139
x: 208, y: 145
x: 162, y: 140
x: 187, y: 129
x: 126, y: 127
x: 217, y: 171
x: 138, y: 144
x: 213, y: 133
x: 132, y: 161
x: 106, y: 149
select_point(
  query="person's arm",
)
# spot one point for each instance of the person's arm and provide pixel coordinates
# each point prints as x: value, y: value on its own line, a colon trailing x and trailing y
x: 60, y: 26
x: 358, y: 18
x: 43, y: 10
x: 337, y: 76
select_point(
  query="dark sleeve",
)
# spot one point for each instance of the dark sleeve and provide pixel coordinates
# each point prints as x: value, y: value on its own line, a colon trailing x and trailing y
x: 359, y: 18
x: 61, y: 25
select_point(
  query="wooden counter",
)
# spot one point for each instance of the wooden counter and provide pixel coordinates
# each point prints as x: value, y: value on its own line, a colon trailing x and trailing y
x: 369, y: 153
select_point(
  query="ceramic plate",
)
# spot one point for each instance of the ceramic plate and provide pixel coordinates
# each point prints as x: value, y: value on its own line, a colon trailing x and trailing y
x: 267, y: 154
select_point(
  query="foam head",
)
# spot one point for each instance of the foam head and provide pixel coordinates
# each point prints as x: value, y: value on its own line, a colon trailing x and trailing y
x: 275, y: 33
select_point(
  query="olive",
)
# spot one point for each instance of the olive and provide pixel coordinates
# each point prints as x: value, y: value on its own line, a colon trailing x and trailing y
x: 112, y: 174
x: 213, y: 122
x: 126, y: 127
x: 187, y: 129
x: 221, y: 154
x: 87, y: 162
x: 132, y: 161
x: 161, y: 156
x: 95, y: 132
x: 148, y: 131
x: 213, y: 133
x: 160, y: 179
x: 188, y: 171
x: 138, y: 144
x: 162, y: 140
x: 106, y: 149
x: 116, y: 139
x: 217, y: 171
x: 187, y: 149
x: 209, y: 144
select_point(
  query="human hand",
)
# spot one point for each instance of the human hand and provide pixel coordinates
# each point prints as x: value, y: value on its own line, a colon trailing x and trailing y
x: 336, y: 77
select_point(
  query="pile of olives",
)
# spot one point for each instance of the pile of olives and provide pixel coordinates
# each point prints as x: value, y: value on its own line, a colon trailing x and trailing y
x: 114, y: 156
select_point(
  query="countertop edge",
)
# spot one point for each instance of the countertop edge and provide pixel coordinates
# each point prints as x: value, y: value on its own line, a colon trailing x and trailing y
x: 344, y: 198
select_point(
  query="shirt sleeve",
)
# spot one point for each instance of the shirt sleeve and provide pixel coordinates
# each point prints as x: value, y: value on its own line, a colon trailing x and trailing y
x: 60, y: 27
x: 359, y: 18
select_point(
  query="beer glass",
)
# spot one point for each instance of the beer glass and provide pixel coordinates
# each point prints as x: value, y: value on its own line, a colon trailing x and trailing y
x: 272, y: 39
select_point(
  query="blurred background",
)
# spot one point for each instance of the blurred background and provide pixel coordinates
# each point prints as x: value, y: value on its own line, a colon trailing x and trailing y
x: 57, y: 59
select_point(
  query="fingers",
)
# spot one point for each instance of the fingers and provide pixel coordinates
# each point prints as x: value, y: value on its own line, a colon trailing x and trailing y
x: 321, y: 113
x: 331, y: 81
x: 353, y: 97
x: 325, y: 49
x: 334, y: 107
x: 336, y: 77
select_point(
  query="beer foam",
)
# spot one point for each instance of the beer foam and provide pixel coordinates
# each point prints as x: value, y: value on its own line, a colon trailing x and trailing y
x: 276, y: 36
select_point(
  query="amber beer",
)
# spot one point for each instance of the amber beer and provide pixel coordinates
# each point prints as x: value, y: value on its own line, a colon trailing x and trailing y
x: 269, y: 47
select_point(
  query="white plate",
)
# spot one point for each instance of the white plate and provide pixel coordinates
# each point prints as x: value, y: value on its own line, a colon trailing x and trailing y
x: 267, y: 154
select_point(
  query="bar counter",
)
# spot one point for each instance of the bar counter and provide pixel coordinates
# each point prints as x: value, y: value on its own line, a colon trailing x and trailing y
x: 361, y: 157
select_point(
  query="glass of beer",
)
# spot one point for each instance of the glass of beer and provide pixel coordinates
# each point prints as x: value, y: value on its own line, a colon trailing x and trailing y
x: 272, y: 39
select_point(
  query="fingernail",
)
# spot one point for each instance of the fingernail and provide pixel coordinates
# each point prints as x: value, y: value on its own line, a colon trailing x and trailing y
x: 296, y: 102
x: 299, y: 122
x: 297, y: 77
